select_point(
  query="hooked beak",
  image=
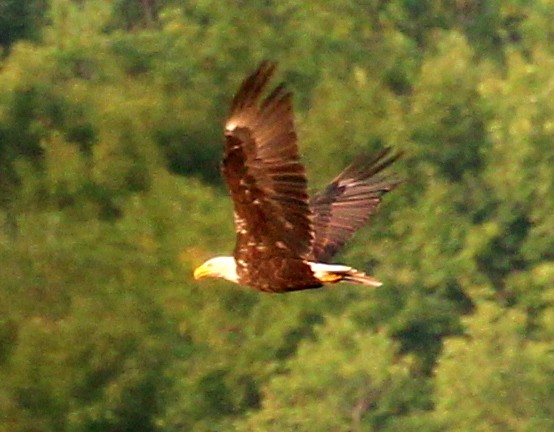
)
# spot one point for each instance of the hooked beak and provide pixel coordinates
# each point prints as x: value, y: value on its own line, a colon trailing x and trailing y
x: 201, y: 272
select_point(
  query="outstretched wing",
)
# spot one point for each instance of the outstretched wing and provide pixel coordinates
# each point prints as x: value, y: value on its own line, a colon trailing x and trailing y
x: 267, y: 181
x: 348, y: 202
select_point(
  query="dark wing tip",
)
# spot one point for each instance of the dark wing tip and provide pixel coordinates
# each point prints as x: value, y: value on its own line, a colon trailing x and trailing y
x: 253, y: 86
x: 349, y: 201
x: 367, y: 165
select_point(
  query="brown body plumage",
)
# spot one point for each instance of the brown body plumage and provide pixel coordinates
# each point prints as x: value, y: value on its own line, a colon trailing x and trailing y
x: 285, y: 239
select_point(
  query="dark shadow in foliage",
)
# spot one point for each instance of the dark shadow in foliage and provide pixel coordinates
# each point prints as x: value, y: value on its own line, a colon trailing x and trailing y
x: 398, y: 81
x: 481, y: 22
x: 8, y: 338
x: 21, y: 19
x: 31, y: 114
x: 133, y: 417
x: 501, y: 256
x: 135, y: 58
x: 217, y: 398
x: 419, y: 339
x: 252, y: 397
x: 458, y: 297
x: 214, y: 394
x: 455, y: 148
x: 192, y: 153
x: 104, y: 198
x: 420, y: 324
x: 21, y: 139
x: 133, y: 14
x: 84, y: 135
x: 306, y: 83
x: 304, y: 331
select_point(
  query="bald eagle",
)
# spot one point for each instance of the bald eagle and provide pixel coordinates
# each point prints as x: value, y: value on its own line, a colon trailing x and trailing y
x: 285, y: 240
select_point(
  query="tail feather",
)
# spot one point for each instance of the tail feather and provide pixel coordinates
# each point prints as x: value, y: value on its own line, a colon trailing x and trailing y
x: 333, y: 273
x: 359, y: 277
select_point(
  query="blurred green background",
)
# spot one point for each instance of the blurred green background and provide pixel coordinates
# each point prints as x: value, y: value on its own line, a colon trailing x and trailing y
x: 111, y: 118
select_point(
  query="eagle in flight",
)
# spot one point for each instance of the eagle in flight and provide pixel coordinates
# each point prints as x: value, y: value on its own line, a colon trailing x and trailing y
x: 285, y: 239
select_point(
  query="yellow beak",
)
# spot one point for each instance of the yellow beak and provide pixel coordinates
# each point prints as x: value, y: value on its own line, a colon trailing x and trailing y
x: 201, y: 272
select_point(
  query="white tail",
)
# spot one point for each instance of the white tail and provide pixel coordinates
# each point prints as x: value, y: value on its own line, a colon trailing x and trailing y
x: 359, y: 277
x: 333, y: 273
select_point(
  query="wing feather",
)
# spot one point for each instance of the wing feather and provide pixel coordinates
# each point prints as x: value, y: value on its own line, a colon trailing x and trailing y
x: 348, y: 202
x: 262, y: 169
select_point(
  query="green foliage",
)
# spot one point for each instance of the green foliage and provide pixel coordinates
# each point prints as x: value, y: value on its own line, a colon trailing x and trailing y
x: 110, y: 137
x: 68, y: 308
x: 20, y: 20
x: 496, y: 379
x: 346, y: 379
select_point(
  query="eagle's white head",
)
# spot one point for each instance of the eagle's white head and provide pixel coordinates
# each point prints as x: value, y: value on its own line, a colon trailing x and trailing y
x: 220, y: 267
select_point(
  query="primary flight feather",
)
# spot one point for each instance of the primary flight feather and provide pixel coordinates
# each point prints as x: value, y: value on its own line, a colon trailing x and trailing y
x: 285, y: 240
